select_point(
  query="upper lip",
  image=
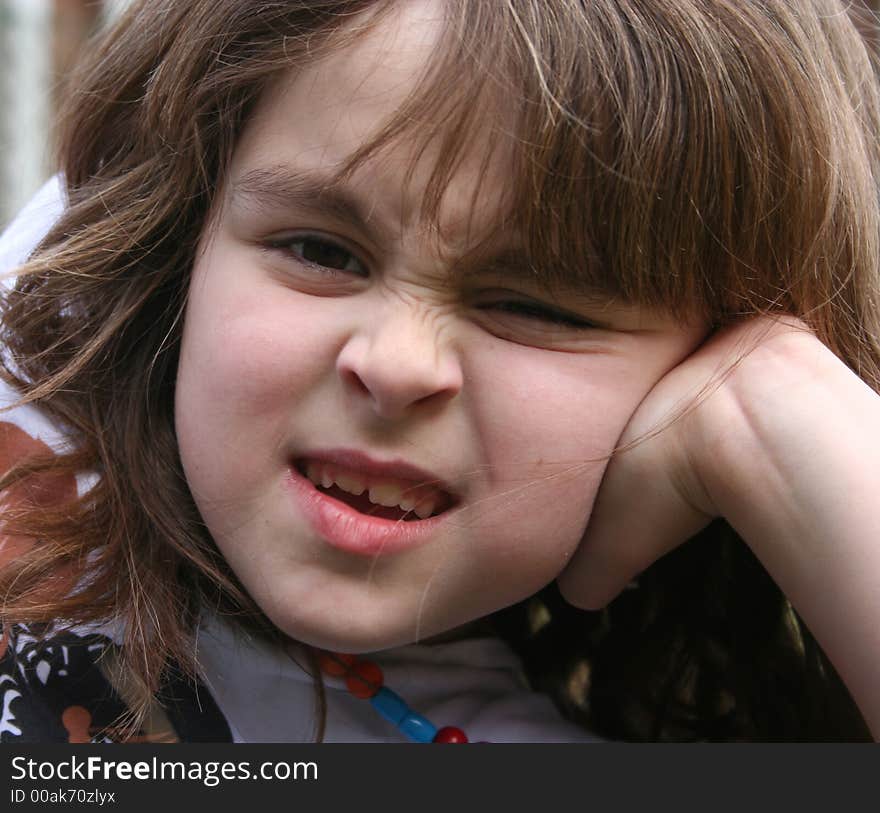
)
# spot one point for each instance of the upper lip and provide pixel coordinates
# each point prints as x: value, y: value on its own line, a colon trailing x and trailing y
x: 364, y: 464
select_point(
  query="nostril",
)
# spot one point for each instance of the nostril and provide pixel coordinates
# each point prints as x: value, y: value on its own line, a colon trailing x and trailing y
x: 354, y: 381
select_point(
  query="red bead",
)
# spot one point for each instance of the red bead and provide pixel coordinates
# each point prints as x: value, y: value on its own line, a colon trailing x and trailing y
x: 450, y: 734
x: 335, y: 664
x: 364, y: 679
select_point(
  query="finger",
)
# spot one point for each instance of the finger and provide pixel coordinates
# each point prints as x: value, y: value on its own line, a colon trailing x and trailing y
x: 640, y: 514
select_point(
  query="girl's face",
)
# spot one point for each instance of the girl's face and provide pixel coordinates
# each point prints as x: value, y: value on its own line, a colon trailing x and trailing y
x: 334, y: 345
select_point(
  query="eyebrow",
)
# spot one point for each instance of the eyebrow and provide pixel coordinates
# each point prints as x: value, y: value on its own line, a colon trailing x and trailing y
x: 283, y: 186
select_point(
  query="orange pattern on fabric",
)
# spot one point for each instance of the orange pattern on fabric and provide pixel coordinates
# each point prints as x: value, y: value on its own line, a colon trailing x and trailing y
x: 47, y: 488
x: 78, y: 722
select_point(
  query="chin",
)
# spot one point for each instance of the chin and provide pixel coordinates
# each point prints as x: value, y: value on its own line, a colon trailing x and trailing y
x: 367, y: 634
x: 372, y: 635
x: 352, y: 642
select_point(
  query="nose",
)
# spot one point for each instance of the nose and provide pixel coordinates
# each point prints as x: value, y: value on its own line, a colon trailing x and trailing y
x: 400, y: 363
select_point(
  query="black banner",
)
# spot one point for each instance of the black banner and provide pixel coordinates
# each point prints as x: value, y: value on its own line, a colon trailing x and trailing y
x: 410, y: 777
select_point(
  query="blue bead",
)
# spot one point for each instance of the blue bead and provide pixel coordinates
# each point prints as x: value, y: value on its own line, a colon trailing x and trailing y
x: 390, y: 705
x: 418, y: 728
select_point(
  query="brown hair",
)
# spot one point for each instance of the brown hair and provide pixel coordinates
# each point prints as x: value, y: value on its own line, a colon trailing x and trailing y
x: 711, y: 156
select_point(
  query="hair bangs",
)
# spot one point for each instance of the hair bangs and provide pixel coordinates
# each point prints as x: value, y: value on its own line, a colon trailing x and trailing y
x: 453, y: 115
x: 626, y: 143
x: 683, y: 156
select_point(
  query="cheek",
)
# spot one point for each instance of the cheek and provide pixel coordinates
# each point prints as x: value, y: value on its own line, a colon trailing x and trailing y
x: 549, y: 423
x: 249, y: 353
x: 251, y: 347
x: 556, y: 408
x: 242, y: 355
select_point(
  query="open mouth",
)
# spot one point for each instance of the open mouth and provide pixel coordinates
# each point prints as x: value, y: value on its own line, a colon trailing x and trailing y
x: 382, y: 497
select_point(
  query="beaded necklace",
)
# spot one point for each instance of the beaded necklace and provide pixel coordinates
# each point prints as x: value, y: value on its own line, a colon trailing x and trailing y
x: 364, y: 679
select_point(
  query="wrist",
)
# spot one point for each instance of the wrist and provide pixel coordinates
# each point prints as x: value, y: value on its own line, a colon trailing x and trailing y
x: 763, y: 437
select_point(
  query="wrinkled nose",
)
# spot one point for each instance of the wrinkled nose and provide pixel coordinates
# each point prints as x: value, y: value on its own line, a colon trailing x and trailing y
x: 399, y: 365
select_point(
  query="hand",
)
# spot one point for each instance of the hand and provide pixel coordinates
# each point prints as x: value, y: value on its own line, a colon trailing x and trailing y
x: 683, y: 451
x: 763, y: 425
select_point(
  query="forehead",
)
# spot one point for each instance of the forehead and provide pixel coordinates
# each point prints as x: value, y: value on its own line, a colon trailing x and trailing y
x: 333, y: 103
x: 311, y: 122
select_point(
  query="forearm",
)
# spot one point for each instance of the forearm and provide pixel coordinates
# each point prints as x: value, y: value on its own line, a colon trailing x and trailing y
x: 800, y: 482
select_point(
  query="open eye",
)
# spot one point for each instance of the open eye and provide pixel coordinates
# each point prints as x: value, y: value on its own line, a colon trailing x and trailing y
x: 320, y: 253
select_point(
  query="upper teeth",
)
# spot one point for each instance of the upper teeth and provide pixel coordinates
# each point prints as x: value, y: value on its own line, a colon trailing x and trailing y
x: 422, y: 499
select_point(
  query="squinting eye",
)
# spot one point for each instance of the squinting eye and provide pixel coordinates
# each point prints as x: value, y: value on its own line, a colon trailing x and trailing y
x: 539, y: 312
x: 322, y: 253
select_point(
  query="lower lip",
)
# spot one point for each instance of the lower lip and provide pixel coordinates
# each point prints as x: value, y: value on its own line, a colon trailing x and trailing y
x: 342, y: 527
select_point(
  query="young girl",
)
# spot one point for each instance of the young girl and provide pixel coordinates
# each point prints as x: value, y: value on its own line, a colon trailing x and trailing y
x: 342, y: 311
